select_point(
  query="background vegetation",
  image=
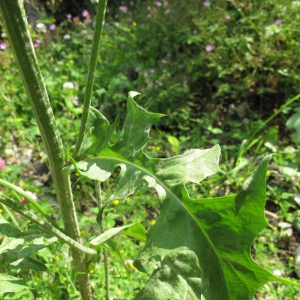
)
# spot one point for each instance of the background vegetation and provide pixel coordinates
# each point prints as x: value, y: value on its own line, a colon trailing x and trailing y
x: 217, y: 69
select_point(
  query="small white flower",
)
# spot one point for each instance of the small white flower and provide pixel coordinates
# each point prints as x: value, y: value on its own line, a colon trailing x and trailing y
x: 277, y: 272
x: 33, y: 195
x: 67, y: 37
x: 68, y: 85
x: 41, y: 27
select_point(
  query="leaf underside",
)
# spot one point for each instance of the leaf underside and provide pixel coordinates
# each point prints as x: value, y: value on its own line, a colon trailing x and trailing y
x: 219, y: 231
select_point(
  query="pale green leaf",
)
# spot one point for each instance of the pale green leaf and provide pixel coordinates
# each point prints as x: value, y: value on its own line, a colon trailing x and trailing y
x: 108, y: 234
x: 10, y: 284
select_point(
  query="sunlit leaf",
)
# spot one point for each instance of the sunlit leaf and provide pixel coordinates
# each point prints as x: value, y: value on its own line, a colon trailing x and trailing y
x: 10, y: 284
x: 219, y: 231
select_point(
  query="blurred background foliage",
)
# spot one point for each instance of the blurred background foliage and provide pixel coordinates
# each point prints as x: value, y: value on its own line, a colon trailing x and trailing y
x: 218, y: 70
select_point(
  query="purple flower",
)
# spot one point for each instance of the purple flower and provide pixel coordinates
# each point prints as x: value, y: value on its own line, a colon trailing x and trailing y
x: 2, y: 164
x: 157, y: 3
x: 206, y: 3
x: 69, y: 16
x: 163, y: 61
x: 85, y: 13
x: 152, y: 71
x: 227, y: 17
x: 124, y: 9
x: 278, y: 21
x: 52, y: 27
x: 3, y: 46
x: 209, y: 48
x: 167, y: 11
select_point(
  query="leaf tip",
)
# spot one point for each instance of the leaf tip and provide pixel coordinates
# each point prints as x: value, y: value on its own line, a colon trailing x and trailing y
x: 132, y: 94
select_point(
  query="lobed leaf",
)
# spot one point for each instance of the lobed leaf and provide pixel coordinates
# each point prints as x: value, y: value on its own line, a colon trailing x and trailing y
x: 219, y: 231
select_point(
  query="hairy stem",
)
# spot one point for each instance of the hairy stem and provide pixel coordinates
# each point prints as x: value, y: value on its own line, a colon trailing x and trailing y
x: 91, y: 74
x: 45, y: 225
x: 13, y: 16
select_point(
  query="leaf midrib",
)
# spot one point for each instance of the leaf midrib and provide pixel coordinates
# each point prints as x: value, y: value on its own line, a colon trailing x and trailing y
x: 167, y: 189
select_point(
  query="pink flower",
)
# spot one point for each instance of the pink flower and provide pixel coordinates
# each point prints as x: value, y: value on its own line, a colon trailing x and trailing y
x: 69, y: 16
x: 2, y: 164
x: 75, y: 100
x: 75, y: 19
x: 84, y: 31
x: 124, y: 9
x: 3, y: 46
x: 278, y: 21
x: 163, y: 61
x: 209, y: 48
x: 52, y: 27
x: 38, y: 41
x: 206, y: 3
x: 167, y: 11
x: 85, y: 13
x: 227, y: 17
x: 157, y: 3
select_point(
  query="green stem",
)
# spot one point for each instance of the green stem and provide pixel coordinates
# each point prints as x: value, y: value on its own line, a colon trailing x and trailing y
x: 105, y: 253
x: 29, y: 198
x: 91, y: 74
x: 14, y: 19
x: 259, y: 128
x: 46, y: 226
x: 12, y: 217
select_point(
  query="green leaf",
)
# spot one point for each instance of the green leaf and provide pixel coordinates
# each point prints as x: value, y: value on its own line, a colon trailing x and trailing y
x: 177, y: 278
x: 8, y: 229
x: 10, y: 284
x: 174, y: 142
x: 16, y: 250
x: 294, y: 123
x: 108, y: 234
x: 219, y: 231
x: 137, y: 231
x: 100, y: 134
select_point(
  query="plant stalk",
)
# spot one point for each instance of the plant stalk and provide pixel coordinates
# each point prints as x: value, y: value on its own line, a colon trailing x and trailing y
x: 14, y: 19
x: 91, y: 75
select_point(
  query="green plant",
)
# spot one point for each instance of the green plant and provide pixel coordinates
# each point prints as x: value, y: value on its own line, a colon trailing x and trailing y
x: 192, y: 240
